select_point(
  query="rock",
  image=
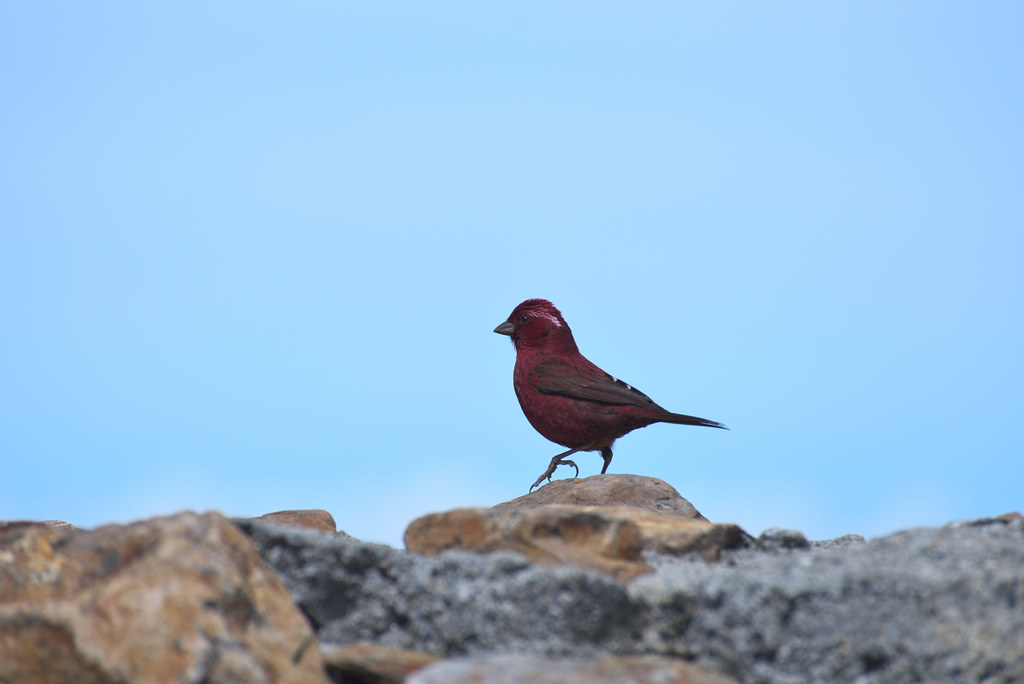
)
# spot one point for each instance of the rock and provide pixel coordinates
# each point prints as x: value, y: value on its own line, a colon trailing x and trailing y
x: 582, y: 535
x: 923, y: 605
x: 453, y: 604
x: 639, y: 491
x: 60, y: 524
x: 998, y: 520
x: 369, y: 663
x: 513, y: 669
x: 48, y: 523
x: 314, y: 519
x: 679, y: 537
x: 838, y: 542
x: 778, y: 538
x: 609, y: 539
x: 179, y: 599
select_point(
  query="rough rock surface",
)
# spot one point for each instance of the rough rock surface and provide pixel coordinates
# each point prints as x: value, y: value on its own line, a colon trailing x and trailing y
x: 941, y: 604
x: 189, y: 599
x: 609, y: 539
x: 518, y: 669
x: 638, y: 491
x: 180, y: 599
x: 453, y: 604
x: 314, y: 519
x: 924, y: 605
x: 372, y: 663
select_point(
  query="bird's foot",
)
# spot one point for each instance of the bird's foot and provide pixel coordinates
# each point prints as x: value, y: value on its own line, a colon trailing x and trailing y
x: 555, y: 462
x: 546, y: 474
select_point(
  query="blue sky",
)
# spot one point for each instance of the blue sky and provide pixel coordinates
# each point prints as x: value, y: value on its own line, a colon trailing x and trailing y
x: 252, y: 254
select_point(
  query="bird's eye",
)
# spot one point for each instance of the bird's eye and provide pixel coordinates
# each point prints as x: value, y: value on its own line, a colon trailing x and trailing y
x: 524, y: 319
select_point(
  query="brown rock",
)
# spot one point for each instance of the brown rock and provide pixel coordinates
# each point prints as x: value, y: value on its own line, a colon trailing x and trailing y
x: 313, y: 518
x: 605, y: 538
x: 1002, y: 519
x: 512, y: 669
x: 579, y: 535
x: 668, y: 534
x: 179, y: 599
x: 648, y: 493
x: 49, y: 523
x: 59, y: 523
x: 369, y: 663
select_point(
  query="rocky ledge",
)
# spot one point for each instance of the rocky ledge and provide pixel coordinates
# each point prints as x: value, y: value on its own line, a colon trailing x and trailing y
x: 612, y: 578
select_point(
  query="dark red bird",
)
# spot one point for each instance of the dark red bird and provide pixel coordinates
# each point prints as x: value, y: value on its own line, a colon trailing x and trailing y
x: 567, y: 398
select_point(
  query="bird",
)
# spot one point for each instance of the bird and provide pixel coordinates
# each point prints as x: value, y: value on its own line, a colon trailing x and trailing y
x: 567, y: 398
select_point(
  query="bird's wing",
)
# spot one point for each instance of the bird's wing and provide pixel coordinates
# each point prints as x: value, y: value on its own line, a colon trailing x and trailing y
x: 557, y: 376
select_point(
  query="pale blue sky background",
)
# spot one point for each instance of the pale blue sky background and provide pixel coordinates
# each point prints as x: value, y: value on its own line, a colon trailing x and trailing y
x: 252, y: 253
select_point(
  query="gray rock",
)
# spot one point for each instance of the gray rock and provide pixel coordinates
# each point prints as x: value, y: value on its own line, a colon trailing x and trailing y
x: 453, y: 604
x: 838, y: 542
x: 778, y: 538
x: 924, y: 605
x: 518, y: 668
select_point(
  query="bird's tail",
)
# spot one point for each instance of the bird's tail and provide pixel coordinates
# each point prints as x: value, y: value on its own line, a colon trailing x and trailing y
x: 680, y: 419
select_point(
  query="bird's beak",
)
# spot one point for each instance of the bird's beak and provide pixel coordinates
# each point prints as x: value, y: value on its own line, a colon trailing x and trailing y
x: 505, y: 328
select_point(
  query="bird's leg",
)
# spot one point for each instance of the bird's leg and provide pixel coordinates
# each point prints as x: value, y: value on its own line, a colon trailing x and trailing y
x: 606, y: 454
x: 558, y: 460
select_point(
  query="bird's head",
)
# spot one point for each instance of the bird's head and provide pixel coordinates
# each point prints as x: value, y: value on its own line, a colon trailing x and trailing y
x: 537, y: 324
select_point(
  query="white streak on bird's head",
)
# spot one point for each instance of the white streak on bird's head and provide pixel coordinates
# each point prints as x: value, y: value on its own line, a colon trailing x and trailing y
x: 539, y: 308
x: 536, y: 323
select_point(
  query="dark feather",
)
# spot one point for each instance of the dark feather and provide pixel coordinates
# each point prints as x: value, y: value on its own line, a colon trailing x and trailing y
x: 555, y: 376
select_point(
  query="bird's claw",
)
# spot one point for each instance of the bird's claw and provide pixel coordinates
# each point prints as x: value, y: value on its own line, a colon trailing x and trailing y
x: 555, y: 462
